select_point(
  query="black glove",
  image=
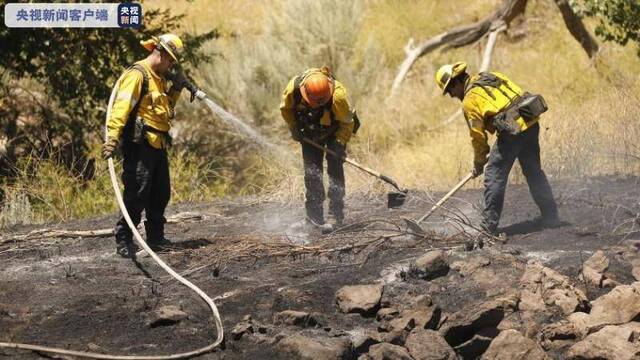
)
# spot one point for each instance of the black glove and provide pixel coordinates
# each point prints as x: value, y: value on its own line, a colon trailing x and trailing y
x: 178, y: 79
x: 296, y: 133
x: 109, y: 147
x: 478, y: 168
x: 340, y: 150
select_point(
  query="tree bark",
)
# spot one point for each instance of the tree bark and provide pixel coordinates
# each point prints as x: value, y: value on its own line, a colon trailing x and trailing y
x: 576, y: 28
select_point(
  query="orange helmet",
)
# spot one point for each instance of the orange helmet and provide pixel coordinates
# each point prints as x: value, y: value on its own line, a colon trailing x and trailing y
x: 317, y: 89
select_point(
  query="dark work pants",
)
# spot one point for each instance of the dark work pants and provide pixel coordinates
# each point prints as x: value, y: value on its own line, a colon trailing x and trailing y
x: 313, y: 181
x: 146, y: 187
x: 526, y: 148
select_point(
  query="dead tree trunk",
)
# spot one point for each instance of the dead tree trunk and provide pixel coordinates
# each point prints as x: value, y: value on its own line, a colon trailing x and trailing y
x: 576, y: 28
x: 460, y: 36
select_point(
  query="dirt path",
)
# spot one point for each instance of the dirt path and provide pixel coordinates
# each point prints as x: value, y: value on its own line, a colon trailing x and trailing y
x: 75, y: 292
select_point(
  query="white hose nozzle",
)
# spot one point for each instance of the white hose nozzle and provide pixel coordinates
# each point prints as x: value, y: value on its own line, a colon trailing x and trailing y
x: 200, y: 95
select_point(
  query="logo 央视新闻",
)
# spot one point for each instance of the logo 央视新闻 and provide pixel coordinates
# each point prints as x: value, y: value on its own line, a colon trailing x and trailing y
x: 129, y: 15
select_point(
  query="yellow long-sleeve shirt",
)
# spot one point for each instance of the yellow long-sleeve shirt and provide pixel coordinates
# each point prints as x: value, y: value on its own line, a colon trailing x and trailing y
x: 340, y: 109
x: 479, y: 108
x: 156, y: 107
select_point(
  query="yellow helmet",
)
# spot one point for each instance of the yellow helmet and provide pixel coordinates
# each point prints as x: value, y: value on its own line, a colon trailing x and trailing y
x: 169, y: 42
x: 446, y: 73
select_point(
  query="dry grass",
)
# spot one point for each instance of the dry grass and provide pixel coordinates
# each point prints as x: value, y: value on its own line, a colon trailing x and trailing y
x: 363, y: 43
x: 589, y: 130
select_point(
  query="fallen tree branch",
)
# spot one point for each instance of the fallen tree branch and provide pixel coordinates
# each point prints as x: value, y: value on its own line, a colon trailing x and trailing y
x: 61, y: 234
x: 459, y: 36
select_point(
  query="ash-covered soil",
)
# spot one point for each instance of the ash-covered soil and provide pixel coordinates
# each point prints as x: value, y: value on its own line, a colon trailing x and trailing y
x: 76, y: 293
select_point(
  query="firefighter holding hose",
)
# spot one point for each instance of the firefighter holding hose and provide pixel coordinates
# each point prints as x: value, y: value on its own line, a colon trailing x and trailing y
x: 139, y: 126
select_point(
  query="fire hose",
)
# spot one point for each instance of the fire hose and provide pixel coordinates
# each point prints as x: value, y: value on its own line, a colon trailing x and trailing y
x: 218, y: 322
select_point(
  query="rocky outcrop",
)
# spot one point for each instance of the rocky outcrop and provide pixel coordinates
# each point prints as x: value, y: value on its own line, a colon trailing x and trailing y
x: 386, y: 351
x: 611, y: 342
x: 594, y: 268
x: 512, y: 345
x: 619, y: 306
x: 315, y: 347
x: 429, y: 345
x: 462, y: 326
x: 296, y: 318
x: 362, y: 299
x: 431, y: 265
x: 468, y: 266
x: 542, y: 287
x: 165, y: 316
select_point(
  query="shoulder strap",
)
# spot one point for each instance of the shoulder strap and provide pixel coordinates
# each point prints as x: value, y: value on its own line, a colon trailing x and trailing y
x: 297, y: 95
x: 128, y: 131
x: 144, y: 90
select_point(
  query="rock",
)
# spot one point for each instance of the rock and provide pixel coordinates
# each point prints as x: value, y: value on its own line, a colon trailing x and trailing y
x: 297, y: 318
x: 386, y: 314
x: 463, y: 325
x: 512, y: 345
x: 606, y: 282
x: 531, y: 301
x: 540, y: 282
x: 598, y: 262
x: 594, y: 268
x: 385, y: 351
x: 362, y: 339
x: 424, y: 318
x: 565, y: 331
x: 165, y: 316
x: 477, y: 345
x: 470, y: 265
x: 316, y: 348
x: 240, y: 329
x: 428, y: 345
x: 592, y: 276
x: 636, y: 272
x: 619, y: 306
x: 635, y: 266
x: 611, y: 342
x: 362, y: 299
x: 562, y: 330
x: 431, y: 265
x: 395, y: 337
x: 568, y: 300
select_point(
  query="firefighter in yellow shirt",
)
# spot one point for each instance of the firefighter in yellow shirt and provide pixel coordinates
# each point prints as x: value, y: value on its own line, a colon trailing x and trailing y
x: 494, y: 104
x: 314, y: 106
x: 139, y: 125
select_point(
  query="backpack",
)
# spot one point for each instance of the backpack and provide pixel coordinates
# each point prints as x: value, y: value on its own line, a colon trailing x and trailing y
x: 528, y: 106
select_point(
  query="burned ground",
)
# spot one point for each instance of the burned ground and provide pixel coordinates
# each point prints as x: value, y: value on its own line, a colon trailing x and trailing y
x: 75, y: 293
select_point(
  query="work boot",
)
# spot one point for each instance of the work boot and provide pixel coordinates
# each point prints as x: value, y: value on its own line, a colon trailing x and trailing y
x: 490, y: 230
x: 549, y: 222
x: 126, y: 249
x: 338, y: 217
x: 323, y: 227
x: 155, y: 236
